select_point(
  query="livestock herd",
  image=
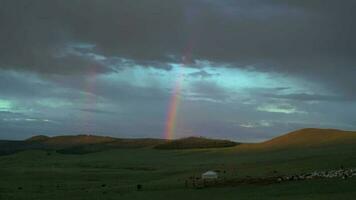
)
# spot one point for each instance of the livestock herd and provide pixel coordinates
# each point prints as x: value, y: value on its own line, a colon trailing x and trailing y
x: 339, y: 173
x: 197, y: 182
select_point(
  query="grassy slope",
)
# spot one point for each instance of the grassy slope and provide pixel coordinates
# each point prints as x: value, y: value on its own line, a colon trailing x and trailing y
x: 195, y: 143
x: 313, y: 137
x: 162, y: 174
x: 76, y: 144
x: 304, y: 138
x: 83, y: 144
x: 117, y: 144
x: 114, y: 174
x: 68, y: 141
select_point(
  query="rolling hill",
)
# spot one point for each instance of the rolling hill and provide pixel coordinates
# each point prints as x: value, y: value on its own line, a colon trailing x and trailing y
x: 74, y: 143
x: 70, y: 140
x: 115, y: 174
x: 115, y: 144
x: 82, y: 144
x: 303, y: 138
x: 195, y: 143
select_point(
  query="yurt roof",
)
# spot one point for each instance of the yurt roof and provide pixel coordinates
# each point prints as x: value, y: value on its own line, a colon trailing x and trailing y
x: 210, y: 173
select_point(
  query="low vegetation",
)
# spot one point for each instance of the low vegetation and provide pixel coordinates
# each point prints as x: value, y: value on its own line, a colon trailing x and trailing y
x: 312, y: 137
x: 149, y: 173
x: 83, y: 144
x: 195, y: 143
x: 117, y: 144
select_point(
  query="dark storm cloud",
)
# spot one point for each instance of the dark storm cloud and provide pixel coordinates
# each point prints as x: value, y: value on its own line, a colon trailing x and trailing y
x: 16, y: 85
x: 250, y: 31
x: 4, y: 114
x: 68, y: 43
x: 313, y: 39
x: 29, y: 86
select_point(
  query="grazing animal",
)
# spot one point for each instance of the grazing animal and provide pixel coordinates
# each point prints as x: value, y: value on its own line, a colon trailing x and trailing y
x: 139, y: 187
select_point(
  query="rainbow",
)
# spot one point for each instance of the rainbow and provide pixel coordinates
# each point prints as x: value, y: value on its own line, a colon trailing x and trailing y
x: 171, y: 120
x: 173, y: 107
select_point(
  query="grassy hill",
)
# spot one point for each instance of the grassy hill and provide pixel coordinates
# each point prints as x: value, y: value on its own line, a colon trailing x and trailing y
x: 42, y: 142
x: 115, y: 173
x: 115, y: 144
x: 70, y: 140
x: 195, y: 142
x: 82, y: 144
x: 38, y: 138
x: 313, y: 137
x: 305, y: 138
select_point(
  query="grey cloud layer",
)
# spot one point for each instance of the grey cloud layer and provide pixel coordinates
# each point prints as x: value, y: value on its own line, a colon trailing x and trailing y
x: 314, y: 38
x: 239, y: 31
x: 67, y: 43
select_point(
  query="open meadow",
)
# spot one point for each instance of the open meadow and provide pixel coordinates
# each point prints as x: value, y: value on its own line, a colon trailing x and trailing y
x: 115, y: 174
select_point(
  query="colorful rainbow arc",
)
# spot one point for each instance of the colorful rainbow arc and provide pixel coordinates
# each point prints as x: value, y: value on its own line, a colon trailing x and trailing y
x: 171, y: 121
x: 173, y: 107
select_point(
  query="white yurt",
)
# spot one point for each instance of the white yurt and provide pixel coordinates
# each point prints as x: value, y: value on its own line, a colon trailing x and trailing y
x: 209, y: 175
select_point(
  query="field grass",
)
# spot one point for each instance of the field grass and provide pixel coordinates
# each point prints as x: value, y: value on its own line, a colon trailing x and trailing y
x: 114, y: 174
x: 195, y: 143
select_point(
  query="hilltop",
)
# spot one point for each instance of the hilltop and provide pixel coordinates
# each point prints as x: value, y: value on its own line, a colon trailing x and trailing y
x: 113, y: 144
x: 309, y: 137
x: 313, y: 137
x: 82, y: 144
x: 195, y: 143
x: 70, y: 140
x: 38, y: 138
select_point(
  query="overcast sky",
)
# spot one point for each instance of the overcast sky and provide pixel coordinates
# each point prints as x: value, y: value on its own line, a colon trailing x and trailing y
x: 252, y: 69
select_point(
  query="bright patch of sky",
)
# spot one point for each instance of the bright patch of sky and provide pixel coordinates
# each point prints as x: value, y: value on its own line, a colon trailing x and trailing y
x: 279, y: 108
x: 5, y: 105
x: 228, y: 78
x: 223, y: 75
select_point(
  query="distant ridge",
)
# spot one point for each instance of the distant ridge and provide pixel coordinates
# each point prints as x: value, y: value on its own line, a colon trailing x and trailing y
x: 114, y: 144
x: 37, y: 138
x: 195, y: 142
x: 82, y: 144
x: 75, y: 140
x: 309, y: 137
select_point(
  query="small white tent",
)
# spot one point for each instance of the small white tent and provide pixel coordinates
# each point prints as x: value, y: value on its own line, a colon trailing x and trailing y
x: 209, y: 175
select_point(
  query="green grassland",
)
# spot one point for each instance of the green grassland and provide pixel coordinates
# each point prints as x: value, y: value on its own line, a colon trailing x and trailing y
x: 114, y: 174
